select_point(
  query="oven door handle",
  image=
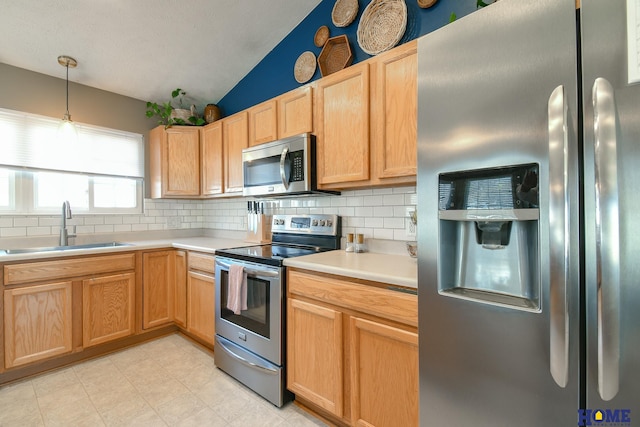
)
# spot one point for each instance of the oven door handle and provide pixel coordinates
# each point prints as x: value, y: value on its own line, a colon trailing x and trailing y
x: 251, y: 271
x: 265, y: 369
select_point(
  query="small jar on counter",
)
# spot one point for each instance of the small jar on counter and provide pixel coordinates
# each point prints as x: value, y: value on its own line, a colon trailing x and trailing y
x: 360, y: 247
x: 349, y: 246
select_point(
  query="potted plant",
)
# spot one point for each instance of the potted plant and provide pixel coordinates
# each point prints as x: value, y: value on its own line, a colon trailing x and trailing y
x: 169, y: 115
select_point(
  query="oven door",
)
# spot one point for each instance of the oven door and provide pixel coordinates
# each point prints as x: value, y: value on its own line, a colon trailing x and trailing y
x: 259, y: 328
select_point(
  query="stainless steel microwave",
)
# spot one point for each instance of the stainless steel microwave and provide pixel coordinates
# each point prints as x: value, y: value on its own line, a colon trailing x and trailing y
x: 281, y: 168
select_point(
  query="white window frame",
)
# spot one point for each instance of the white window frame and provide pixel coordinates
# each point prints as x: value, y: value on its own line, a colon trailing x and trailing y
x: 26, y: 156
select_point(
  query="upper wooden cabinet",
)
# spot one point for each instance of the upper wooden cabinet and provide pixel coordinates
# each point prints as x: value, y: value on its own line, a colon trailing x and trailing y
x: 342, y: 127
x: 263, y: 123
x: 174, y: 161
x: 295, y: 112
x: 211, y: 154
x: 235, y: 138
x: 394, y: 114
x: 285, y: 115
x: 366, y: 122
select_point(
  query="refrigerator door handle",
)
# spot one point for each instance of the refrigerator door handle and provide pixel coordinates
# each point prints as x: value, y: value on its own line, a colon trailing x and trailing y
x: 558, y: 237
x: 607, y: 238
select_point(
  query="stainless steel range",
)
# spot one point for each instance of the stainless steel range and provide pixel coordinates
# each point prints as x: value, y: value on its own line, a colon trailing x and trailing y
x: 250, y: 301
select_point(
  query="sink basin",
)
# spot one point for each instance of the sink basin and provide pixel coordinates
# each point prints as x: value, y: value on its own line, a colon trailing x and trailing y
x: 62, y: 248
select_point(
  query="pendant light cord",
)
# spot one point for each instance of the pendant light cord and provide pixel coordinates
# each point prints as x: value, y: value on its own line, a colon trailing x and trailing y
x: 67, y: 89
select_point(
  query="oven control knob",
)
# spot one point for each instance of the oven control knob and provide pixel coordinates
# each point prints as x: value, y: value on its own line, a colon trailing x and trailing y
x: 329, y: 223
x: 281, y: 222
x: 321, y: 223
x: 314, y: 223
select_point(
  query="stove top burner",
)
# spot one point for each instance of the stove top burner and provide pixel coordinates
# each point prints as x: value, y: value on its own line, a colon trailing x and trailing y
x: 272, y: 254
x: 293, y: 235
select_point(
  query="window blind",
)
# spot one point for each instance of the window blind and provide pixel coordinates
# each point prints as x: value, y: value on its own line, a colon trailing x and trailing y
x: 31, y: 141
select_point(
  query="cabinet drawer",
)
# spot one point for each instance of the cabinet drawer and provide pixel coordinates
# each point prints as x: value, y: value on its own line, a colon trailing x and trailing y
x: 65, y: 268
x: 202, y: 262
x: 372, y: 300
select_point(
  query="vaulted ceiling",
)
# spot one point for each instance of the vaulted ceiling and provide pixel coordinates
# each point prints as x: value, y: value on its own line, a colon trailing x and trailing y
x: 146, y: 48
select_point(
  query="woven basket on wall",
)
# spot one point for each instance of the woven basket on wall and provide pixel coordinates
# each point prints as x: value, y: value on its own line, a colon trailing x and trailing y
x: 335, y: 55
x: 344, y: 12
x: 382, y: 25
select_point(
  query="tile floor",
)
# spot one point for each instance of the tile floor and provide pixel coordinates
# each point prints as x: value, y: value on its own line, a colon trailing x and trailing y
x: 166, y: 382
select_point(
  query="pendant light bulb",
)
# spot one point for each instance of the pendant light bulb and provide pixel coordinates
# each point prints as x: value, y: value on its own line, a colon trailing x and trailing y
x: 67, y: 132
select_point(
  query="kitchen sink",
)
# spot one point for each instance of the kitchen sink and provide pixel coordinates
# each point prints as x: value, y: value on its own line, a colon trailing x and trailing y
x: 62, y: 248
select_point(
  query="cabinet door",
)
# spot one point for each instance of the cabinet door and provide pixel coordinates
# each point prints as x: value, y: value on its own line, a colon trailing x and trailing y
x: 315, y: 354
x: 180, y: 294
x: 342, y: 126
x: 295, y: 112
x: 107, y: 308
x: 235, y: 137
x: 200, y: 306
x: 37, y: 323
x: 211, y: 159
x: 384, y: 375
x: 181, y: 162
x: 263, y: 126
x: 395, y: 112
x: 158, y: 276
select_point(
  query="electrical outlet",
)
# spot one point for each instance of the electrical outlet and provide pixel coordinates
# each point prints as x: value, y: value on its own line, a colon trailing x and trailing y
x: 173, y: 222
x: 410, y: 227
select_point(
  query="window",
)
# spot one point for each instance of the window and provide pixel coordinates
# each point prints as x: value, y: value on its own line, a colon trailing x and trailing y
x: 101, y: 173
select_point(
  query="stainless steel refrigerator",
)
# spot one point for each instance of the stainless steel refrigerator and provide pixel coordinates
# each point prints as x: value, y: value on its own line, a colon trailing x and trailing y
x: 529, y: 216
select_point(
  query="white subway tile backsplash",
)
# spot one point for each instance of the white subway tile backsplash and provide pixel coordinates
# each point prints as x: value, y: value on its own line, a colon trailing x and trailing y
x: 393, y: 199
x: 25, y: 222
x: 377, y: 213
x: 109, y: 228
x: 13, y: 232
x: 38, y: 231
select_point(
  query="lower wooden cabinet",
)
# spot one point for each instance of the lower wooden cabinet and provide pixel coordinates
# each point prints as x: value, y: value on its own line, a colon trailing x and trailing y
x: 158, y: 276
x: 200, y: 306
x: 37, y: 322
x: 384, y: 374
x: 315, y: 354
x: 352, y: 350
x: 108, y: 309
x: 180, y: 292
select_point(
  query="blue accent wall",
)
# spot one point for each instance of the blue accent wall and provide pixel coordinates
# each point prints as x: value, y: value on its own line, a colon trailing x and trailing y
x: 273, y: 76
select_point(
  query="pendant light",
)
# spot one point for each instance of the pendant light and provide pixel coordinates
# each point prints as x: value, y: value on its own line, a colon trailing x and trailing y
x: 67, y: 132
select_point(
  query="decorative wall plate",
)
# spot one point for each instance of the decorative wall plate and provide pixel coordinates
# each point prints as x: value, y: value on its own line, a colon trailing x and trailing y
x: 304, y: 67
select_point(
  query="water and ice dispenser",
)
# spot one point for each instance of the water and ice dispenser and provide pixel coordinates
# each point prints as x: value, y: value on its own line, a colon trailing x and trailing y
x: 488, y: 248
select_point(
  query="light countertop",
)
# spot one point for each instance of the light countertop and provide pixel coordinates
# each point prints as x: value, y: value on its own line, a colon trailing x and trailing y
x: 377, y: 267
x: 391, y: 269
x: 201, y: 244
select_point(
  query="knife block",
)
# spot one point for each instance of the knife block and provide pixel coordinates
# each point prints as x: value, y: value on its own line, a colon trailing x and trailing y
x: 258, y: 228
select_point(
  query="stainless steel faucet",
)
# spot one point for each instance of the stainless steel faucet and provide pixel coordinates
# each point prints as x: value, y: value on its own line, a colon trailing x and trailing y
x: 64, y: 233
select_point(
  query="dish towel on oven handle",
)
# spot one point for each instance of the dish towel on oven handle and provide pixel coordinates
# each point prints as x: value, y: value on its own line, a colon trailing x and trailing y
x: 237, y: 296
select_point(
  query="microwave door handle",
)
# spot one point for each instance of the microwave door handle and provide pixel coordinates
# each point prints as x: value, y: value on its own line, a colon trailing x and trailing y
x: 283, y: 173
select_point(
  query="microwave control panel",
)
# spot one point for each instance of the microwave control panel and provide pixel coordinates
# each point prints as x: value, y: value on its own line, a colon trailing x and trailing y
x: 297, y: 166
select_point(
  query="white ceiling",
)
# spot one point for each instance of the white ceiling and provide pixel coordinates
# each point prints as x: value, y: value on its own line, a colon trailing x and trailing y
x: 146, y: 48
